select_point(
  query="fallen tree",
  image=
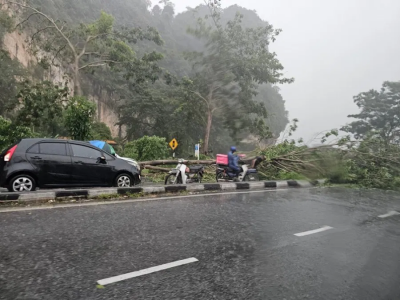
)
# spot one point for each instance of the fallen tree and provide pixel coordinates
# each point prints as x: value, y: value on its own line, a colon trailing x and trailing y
x: 286, y: 160
x: 173, y: 162
x: 156, y: 168
x: 148, y: 164
x: 370, y: 162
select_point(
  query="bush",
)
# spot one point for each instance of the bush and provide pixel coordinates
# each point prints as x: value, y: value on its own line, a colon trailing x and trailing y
x: 11, y: 133
x: 129, y: 150
x: 100, y: 131
x: 147, y: 148
x: 372, y: 163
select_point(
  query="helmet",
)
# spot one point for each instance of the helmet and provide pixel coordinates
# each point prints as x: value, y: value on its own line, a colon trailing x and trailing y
x: 233, y: 149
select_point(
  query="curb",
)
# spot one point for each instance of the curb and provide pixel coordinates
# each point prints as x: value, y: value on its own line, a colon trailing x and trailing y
x: 93, y: 193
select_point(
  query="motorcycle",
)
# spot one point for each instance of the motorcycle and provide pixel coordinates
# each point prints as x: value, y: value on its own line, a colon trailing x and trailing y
x: 224, y: 173
x: 183, y: 174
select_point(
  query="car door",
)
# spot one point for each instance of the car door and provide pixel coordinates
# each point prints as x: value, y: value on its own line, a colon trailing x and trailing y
x: 52, y: 163
x: 112, y: 173
x: 87, y: 168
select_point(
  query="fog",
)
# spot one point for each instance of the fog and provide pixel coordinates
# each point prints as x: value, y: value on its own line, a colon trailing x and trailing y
x: 333, y: 49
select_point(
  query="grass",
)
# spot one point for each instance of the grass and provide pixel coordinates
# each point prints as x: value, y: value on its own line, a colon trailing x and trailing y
x: 106, y: 196
x: 345, y: 185
x: 119, y: 196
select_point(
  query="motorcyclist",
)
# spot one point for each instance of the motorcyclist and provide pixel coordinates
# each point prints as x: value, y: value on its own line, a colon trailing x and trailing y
x: 233, y: 161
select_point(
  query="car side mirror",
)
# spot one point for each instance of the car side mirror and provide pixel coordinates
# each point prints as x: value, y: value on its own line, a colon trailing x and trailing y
x: 101, y: 160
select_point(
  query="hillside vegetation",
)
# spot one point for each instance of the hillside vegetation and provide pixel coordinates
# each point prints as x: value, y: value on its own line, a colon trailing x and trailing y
x: 206, y: 75
x: 156, y: 81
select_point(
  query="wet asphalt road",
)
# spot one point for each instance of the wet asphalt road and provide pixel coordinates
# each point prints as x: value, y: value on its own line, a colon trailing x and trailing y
x: 245, y: 245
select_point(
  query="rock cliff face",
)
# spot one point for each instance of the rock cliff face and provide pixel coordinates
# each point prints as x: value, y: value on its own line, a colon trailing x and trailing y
x: 15, y: 44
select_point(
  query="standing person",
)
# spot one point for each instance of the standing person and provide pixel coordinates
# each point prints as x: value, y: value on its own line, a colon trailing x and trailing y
x: 233, y: 161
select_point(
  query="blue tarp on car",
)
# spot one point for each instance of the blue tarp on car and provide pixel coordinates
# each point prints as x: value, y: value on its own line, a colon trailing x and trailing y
x: 104, y: 146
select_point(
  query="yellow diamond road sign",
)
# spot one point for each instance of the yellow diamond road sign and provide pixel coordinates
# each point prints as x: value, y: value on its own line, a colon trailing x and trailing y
x: 173, y: 144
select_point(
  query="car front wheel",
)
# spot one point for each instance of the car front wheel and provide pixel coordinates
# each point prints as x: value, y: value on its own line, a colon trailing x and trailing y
x: 123, y: 181
x: 22, y: 183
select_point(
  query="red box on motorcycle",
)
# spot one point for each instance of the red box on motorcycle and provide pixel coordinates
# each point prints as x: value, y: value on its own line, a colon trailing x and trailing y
x: 222, y: 159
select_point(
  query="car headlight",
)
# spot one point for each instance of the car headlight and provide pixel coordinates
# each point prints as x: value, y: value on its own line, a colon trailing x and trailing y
x: 135, y: 164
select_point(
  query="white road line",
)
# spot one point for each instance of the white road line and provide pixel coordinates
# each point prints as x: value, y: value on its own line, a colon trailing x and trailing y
x: 389, y: 214
x: 146, y: 271
x: 314, y: 231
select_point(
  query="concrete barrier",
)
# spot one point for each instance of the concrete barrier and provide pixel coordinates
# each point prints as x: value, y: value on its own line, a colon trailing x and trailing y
x: 97, y: 192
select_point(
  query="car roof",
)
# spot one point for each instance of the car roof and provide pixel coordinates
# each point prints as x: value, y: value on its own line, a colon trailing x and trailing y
x: 43, y: 139
x: 38, y: 140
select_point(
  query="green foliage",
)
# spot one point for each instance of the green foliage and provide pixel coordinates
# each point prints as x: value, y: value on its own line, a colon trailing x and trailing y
x: 372, y: 163
x: 129, y: 150
x: 226, y: 73
x: 6, y: 24
x: 120, y: 52
x: 241, y: 125
x: 290, y: 159
x: 10, y: 133
x: 278, y: 150
x: 373, y: 160
x: 147, y: 148
x: 269, y: 169
x: 285, y: 175
x: 100, y: 131
x: 42, y: 106
x: 126, y: 60
x: 79, y: 118
x: 103, y: 25
x: 84, y: 47
x: 327, y: 135
x: 380, y: 113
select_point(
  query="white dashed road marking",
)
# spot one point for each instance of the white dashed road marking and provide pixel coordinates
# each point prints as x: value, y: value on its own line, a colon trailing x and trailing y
x: 389, y: 214
x: 146, y: 271
x: 314, y: 231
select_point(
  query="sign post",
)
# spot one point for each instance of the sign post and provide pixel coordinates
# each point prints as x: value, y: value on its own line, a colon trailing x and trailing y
x: 173, y: 144
x: 197, y: 151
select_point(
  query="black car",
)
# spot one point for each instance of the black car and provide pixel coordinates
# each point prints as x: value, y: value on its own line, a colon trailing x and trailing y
x: 48, y: 163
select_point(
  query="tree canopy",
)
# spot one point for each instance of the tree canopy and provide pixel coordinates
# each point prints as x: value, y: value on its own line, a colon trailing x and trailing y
x: 156, y: 73
x: 380, y: 113
x: 226, y: 73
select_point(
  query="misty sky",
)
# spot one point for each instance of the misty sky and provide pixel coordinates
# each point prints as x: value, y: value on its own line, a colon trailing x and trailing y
x: 334, y: 49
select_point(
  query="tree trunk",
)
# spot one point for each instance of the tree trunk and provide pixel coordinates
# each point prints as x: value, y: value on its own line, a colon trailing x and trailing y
x: 77, y: 83
x: 174, y: 162
x: 208, y: 132
x: 156, y: 168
